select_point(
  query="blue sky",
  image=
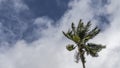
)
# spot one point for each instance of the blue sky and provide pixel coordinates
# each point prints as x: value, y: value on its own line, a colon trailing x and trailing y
x: 37, y: 8
x: 53, y: 9
x: 31, y: 32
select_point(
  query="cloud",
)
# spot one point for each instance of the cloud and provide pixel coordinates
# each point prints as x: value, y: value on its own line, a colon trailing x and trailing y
x: 12, y: 19
x: 49, y: 51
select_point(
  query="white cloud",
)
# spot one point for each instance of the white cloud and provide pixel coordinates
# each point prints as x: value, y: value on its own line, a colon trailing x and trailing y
x: 19, y: 5
x: 49, y: 51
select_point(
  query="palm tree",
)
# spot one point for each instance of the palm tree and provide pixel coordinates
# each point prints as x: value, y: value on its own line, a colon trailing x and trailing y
x: 81, y: 35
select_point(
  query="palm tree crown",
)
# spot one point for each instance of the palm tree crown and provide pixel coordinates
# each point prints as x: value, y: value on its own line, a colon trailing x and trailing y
x: 81, y: 35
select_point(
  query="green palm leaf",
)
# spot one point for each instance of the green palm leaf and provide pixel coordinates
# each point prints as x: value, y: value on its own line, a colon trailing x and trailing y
x: 93, y: 49
x: 70, y: 47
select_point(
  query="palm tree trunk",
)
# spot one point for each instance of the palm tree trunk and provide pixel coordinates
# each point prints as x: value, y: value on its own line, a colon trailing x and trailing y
x: 83, y: 65
x: 82, y: 58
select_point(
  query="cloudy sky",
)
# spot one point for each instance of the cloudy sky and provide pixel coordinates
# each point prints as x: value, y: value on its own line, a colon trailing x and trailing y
x: 31, y: 32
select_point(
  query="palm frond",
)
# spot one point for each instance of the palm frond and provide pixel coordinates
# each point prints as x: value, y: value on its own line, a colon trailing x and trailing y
x: 68, y: 34
x: 81, y: 32
x: 93, y: 33
x: 80, y: 25
x: 70, y: 47
x: 93, y: 49
x: 87, y: 26
x: 73, y: 28
x: 76, y: 38
x: 77, y: 57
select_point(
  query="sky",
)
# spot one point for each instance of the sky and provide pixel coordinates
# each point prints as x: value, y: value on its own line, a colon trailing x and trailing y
x: 31, y: 32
